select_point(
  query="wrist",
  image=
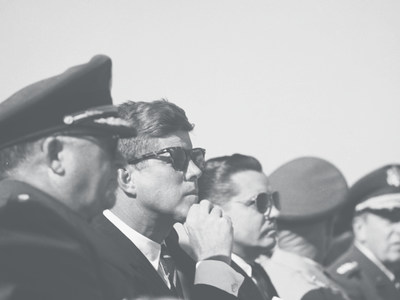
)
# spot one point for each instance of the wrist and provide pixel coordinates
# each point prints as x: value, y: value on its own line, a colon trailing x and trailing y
x: 222, y: 258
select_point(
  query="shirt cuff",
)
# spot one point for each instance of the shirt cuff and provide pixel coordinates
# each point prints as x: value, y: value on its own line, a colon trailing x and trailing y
x: 218, y: 274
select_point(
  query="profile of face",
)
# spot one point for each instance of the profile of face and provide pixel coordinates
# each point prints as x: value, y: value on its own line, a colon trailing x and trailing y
x: 162, y: 190
x: 93, y: 172
x: 380, y: 233
x: 254, y: 231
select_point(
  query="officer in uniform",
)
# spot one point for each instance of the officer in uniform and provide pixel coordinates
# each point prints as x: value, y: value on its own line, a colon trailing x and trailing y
x: 58, y: 161
x: 370, y: 269
x: 311, y: 190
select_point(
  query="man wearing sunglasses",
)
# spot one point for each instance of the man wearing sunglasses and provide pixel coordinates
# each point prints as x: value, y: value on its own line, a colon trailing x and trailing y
x: 238, y: 184
x: 58, y: 165
x: 158, y: 188
x: 311, y: 190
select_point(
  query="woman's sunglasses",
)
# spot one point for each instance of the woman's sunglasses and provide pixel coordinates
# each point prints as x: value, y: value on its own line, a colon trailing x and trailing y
x: 178, y: 157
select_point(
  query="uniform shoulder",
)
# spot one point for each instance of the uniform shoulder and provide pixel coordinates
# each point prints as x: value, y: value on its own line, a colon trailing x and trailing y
x: 347, y: 268
x: 346, y: 265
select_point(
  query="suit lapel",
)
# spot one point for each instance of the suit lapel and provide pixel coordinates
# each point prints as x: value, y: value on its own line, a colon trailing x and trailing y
x: 131, y: 260
x: 248, y: 290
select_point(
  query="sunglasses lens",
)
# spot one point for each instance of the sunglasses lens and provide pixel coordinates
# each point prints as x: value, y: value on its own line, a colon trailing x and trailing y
x: 262, y: 202
x: 179, y: 158
x: 197, y: 155
x: 275, y: 200
x: 265, y: 202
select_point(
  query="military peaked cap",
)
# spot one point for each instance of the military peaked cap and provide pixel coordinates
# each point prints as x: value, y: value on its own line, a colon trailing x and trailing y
x: 379, y: 189
x: 78, y: 99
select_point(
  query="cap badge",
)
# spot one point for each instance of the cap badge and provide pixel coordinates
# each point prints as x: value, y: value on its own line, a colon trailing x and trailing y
x: 112, y: 121
x: 393, y: 176
x: 70, y: 119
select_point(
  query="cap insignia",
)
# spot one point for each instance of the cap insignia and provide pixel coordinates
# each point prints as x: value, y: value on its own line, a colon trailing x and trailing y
x: 112, y: 121
x: 70, y: 119
x: 393, y: 176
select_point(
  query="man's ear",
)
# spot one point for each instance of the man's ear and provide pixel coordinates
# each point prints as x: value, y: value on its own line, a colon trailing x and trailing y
x: 359, y: 227
x: 53, y: 148
x: 126, y: 182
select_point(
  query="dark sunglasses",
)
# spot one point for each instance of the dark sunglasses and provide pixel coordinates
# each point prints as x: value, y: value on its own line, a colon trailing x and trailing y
x: 178, y: 157
x: 265, y: 201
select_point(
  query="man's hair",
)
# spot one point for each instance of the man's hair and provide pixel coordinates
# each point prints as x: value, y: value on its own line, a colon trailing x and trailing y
x: 14, y: 155
x: 152, y: 120
x: 215, y: 183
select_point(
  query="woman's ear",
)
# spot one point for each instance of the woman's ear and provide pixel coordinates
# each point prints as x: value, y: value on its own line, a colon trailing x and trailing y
x: 53, y: 149
x: 126, y: 182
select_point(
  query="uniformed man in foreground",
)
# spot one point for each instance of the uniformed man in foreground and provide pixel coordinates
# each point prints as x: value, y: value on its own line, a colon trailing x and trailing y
x: 370, y: 269
x: 58, y: 162
x: 311, y: 190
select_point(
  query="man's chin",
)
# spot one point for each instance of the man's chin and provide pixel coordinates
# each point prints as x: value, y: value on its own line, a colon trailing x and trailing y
x: 269, y: 243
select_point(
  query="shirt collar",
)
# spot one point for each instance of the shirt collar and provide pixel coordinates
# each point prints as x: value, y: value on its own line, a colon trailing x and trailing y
x: 371, y: 256
x: 291, y: 259
x: 150, y: 249
x: 242, y: 264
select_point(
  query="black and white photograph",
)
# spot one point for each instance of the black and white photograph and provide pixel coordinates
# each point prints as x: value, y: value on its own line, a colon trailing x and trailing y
x: 199, y: 150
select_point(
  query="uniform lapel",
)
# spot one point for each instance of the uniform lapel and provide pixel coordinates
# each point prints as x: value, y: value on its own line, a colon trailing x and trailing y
x: 384, y: 286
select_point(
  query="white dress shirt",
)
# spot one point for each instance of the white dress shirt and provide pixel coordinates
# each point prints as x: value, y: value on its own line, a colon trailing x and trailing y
x: 210, y: 272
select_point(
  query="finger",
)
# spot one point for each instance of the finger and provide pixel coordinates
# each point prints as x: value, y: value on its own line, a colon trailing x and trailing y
x: 217, y: 211
x: 206, y: 205
x: 186, y: 230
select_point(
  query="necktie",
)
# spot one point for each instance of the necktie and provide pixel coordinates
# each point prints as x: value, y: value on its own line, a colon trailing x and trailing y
x: 167, y: 270
x: 263, y: 282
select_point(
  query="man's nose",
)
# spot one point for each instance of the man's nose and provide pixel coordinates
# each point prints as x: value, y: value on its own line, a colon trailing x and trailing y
x: 274, y: 213
x: 193, y: 171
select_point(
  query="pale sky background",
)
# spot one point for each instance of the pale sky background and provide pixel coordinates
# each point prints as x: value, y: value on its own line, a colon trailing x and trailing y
x: 274, y: 79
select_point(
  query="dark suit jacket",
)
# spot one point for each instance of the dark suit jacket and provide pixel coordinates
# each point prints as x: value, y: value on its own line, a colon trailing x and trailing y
x: 361, y: 278
x: 143, y: 277
x: 249, y: 290
x: 46, y: 250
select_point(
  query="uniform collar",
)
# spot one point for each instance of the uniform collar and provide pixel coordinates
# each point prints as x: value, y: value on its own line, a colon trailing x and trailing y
x: 371, y: 256
x: 291, y: 259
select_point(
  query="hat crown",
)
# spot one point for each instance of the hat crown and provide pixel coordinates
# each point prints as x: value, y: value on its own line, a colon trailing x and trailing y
x: 43, y: 106
x: 381, y: 181
x: 309, y: 188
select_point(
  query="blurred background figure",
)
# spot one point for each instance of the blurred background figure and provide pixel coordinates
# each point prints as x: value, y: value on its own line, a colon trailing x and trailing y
x: 238, y: 184
x: 58, y: 165
x: 370, y: 269
x: 311, y: 190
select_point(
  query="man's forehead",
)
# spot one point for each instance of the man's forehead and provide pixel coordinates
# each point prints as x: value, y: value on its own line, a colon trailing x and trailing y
x: 177, y: 139
x: 252, y: 180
